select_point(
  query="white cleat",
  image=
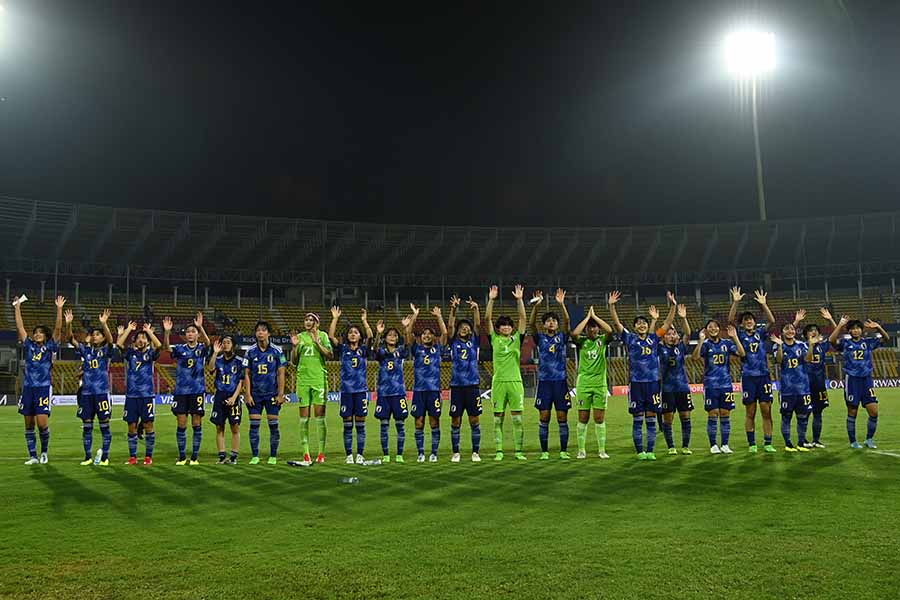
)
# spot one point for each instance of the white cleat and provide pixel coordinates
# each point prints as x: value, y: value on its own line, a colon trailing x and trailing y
x: 726, y: 450
x: 32, y: 461
x: 475, y: 457
x: 432, y: 458
x: 349, y: 460
x: 455, y: 458
x: 360, y: 460
x: 818, y: 445
x: 581, y: 454
x: 604, y: 455
x: 715, y: 450
x: 44, y: 459
x: 420, y: 458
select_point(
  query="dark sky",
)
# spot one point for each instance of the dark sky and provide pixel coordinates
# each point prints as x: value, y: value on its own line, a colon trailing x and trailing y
x: 458, y: 112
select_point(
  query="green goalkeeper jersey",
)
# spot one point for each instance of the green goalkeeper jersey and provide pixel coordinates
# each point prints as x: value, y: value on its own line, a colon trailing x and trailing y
x: 311, y: 366
x: 591, y: 361
x: 507, y: 353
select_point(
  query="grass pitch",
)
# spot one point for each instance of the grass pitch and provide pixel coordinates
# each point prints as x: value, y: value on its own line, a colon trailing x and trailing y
x: 817, y: 525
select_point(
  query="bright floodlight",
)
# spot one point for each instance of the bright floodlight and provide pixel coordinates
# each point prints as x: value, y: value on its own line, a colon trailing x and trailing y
x: 749, y: 54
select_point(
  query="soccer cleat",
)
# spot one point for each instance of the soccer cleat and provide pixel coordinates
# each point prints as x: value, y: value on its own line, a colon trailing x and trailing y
x: 148, y: 460
x: 642, y: 456
x: 581, y: 454
x: 181, y: 462
x: 854, y: 445
x: 455, y: 458
x: 90, y: 461
x: 686, y: 451
x: 420, y: 458
x: 476, y: 457
x: 222, y: 461
x: 770, y: 448
x: 254, y: 461
x: 564, y: 456
x: 714, y: 450
x: 753, y: 449
x: 193, y: 462
x: 272, y: 460
x: 808, y: 445
x: 498, y: 456
x: 232, y: 460
x: 790, y: 449
x: 672, y: 451
x: 545, y: 456
x: 34, y: 460
x: 802, y: 449
x: 386, y: 458
x: 103, y: 463
x: 818, y: 444
x: 320, y: 458
x: 44, y: 460
x: 651, y: 456
x: 603, y: 455
x: 725, y: 449
x: 360, y: 459
x: 132, y: 460
x: 349, y: 460
x: 521, y: 456
x: 399, y: 459
x: 870, y: 443
x: 432, y: 458
x: 307, y: 458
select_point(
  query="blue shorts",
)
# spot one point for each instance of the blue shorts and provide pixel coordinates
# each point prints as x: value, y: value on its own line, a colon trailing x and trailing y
x: 139, y: 409
x: 221, y: 412
x: 388, y: 406
x: 718, y: 399
x: 677, y: 401
x: 795, y: 403
x: 859, y: 390
x: 643, y: 396
x: 756, y: 388
x: 91, y: 405
x: 426, y: 402
x: 354, y: 404
x: 35, y: 401
x: 264, y: 402
x: 819, y: 394
x: 553, y: 394
x: 465, y: 398
x: 184, y: 404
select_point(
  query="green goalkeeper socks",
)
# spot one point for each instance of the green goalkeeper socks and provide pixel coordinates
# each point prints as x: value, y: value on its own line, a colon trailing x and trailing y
x: 600, y: 430
x: 518, y: 432
x: 498, y: 432
x: 582, y: 436
x: 322, y: 430
x: 304, y: 434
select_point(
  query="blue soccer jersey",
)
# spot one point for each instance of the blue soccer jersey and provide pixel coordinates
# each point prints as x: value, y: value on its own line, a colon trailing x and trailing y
x: 671, y: 364
x: 353, y: 368
x: 95, y: 368
x: 263, y: 366
x: 426, y: 367
x: 390, y: 372
x: 189, y: 377
x: 815, y: 368
x: 794, y: 380
x: 643, y: 356
x: 716, y: 372
x: 38, y: 362
x: 229, y: 372
x: 551, y: 356
x: 464, y: 362
x: 858, y: 355
x: 755, y: 363
x: 139, y: 372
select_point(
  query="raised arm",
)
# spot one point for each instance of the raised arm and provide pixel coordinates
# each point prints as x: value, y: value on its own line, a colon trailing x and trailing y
x: 838, y: 330
x: 760, y: 297
x: 870, y: 324
x: 612, y: 299
x: 436, y: 311
x: 579, y: 329
x: 451, y: 318
x: 732, y: 333
x: 476, y: 316
x: 364, y: 317
x: 536, y: 299
x: 701, y: 337
x: 167, y: 332
x: 379, y: 331
x: 686, y: 325
x: 826, y: 314
x: 736, y: 297
x: 408, y: 323
x: 489, y: 311
x: 154, y: 341
x: 324, y: 350
x: 211, y: 361
x: 654, y: 317
x: 20, y: 324
x: 57, y: 328
x: 561, y: 300
x: 332, y: 328
x: 104, y: 318
x: 798, y: 317
x: 779, y: 347
x: 519, y: 295
x: 198, y: 322
x: 126, y: 331
x: 673, y: 305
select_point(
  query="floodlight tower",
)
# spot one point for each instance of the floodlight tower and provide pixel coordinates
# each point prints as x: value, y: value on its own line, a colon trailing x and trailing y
x: 749, y: 55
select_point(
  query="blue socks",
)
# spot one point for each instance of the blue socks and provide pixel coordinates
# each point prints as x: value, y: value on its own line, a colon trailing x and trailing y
x: 544, y: 434
x: 106, y: 436
x: 725, y: 429
x: 637, y: 432
x: 254, y: 436
x: 851, y: 429
x: 786, y: 429
x: 31, y: 442
x: 871, y: 426
x: 667, y: 433
x: 401, y: 436
x: 420, y: 441
x: 454, y: 439
x: 711, y: 424
x: 651, y: 433
x: 686, y: 432
x: 563, y: 436
x: 476, y: 438
x: 348, y: 437
x: 360, y: 436
x: 274, y: 437
x: 196, y: 439
x: 817, y: 426
x: 181, y: 438
x: 150, y: 442
x: 87, y: 438
x: 45, y: 439
x: 435, y: 439
x: 132, y: 444
x: 751, y: 438
x: 385, y: 434
x: 802, y: 423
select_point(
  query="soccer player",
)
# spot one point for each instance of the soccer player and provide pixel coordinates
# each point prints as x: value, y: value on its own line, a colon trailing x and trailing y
x: 310, y: 350
x: 643, y: 360
x: 190, y: 384
x: 34, y: 405
x: 391, y: 401
x: 465, y: 380
x: 676, y: 393
x: 353, y: 354
x: 858, y: 385
x: 506, y: 385
x: 791, y: 356
x: 717, y: 389
x: 426, y: 399
x: 591, y: 388
x: 553, y: 387
x: 815, y: 369
x: 140, y: 398
x: 264, y: 366
x: 228, y: 368
x: 94, y: 398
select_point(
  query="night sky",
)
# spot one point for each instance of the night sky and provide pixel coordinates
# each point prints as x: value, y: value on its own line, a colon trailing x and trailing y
x: 564, y: 113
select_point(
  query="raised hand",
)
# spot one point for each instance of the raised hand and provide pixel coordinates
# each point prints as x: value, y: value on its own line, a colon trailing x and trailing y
x: 167, y: 324
x: 454, y: 301
x: 132, y: 325
x: 760, y: 296
x: 60, y: 301
x: 405, y: 321
x: 217, y: 346
x: 379, y: 327
x: 800, y: 315
x: 732, y: 332
x: 826, y: 314
x: 518, y: 292
x: 295, y: 338
x: 414, y: 309
x: 613, y: 297
x: 682, y: 311
x: 736, y: 295
x: 702, y: 335
x: 493, y: 292
x: 363, y: 315
x: 336, y: 312
x: 436, y: 311
x: 198, y: 320
x: 147, y: 327
x: 120, y: 330
x: 104, y: 316
x: 591, y: 311
x: 471, y: 303
x: 653, y: 312
x: 775, y: 340
x: 537, y: 296
x: 671, y: 298
x: 844, y: 320
x: 870, y: 324
x: 560, y: 296
x: 69, y: 315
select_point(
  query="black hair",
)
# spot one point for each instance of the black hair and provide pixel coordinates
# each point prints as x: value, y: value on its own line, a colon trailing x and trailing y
x: 854, y: 323
x: 712, y: 321
x: 467, y: 322
x: 44, y: 329
x: 262, y: 324
x: 390, y: 329
x: 228, y: 336
x: 809, y: 328
x: 783, y: 327
x: 356, y: 327
x: 549, y: 315
x: 142, y: 333
x: 504, y: 320
x: 192, y: 325
x: 640, y: 318
x: 93, y: 329
x: 746, y: 314
x: 431, y: 329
